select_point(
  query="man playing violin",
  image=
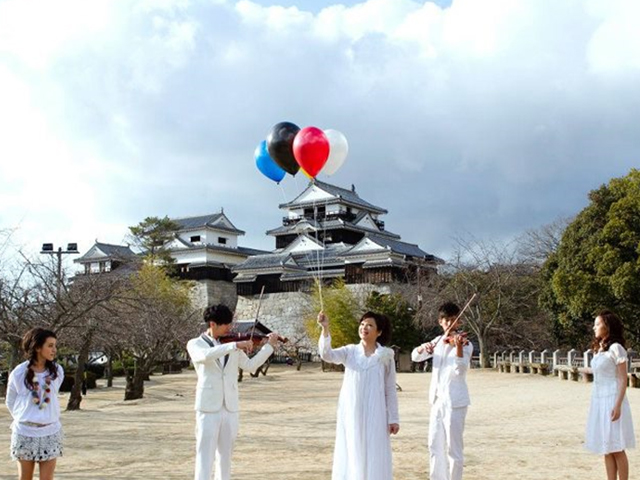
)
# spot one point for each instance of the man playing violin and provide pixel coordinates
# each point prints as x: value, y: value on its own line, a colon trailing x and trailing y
x: 216, y: 405
x: 448, y: 394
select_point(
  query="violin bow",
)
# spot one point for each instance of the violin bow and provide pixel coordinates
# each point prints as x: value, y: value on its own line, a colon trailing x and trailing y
x: 455, y: 322
x: 255, y: 322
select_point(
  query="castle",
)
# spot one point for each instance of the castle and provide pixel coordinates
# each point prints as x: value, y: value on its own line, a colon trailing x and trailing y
x: 328, y: 232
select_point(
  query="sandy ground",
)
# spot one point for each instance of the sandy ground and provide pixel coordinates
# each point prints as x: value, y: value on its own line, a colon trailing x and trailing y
x: 519, y: 427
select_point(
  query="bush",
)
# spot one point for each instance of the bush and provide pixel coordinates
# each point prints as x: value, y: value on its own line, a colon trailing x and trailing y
x: 120, y: 370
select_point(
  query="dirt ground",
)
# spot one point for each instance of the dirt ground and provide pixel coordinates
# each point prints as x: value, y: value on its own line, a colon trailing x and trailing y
x: 518, y: 427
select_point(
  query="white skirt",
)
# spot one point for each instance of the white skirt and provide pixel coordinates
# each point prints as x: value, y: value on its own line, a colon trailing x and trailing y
x: 604, y: 436
x: 36, y: 449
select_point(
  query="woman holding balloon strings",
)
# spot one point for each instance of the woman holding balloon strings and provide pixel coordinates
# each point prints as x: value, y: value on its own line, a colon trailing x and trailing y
x: 368, y: 403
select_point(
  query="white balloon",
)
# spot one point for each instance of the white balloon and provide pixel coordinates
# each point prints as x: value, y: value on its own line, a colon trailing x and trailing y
x: 338, y: 150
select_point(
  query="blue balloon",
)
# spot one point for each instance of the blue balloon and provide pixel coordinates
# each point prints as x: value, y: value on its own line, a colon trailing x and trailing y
x: 266, y: 165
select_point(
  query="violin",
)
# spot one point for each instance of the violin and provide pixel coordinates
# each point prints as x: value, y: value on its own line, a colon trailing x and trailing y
x: 257, y: 338
x: 449, y: 339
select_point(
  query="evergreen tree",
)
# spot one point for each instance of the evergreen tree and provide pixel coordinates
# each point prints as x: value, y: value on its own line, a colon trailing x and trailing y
x: 404, y: 333
x: 343, y: 310
x: 597, y: 264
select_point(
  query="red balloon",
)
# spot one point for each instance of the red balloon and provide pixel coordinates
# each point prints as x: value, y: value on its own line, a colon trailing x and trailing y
x: 311, y: 150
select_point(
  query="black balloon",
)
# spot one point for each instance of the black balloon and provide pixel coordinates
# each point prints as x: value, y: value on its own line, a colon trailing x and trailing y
x: 280, y: 146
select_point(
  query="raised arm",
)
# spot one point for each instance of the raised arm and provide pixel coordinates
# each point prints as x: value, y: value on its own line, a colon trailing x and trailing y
x: 328, y: 354
x: 423, y: 352
x: 204, y: 353
x: 463, y: 355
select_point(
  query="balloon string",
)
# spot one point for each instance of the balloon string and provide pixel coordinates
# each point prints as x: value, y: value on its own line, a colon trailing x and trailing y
x: 317, y: 265
x: 284, y: 195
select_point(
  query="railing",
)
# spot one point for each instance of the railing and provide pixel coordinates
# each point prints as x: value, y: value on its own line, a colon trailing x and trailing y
x: 570, y: 365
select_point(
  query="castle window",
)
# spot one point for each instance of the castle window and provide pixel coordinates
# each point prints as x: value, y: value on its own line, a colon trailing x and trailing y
x: 195, y: 238
x: 222, y: 240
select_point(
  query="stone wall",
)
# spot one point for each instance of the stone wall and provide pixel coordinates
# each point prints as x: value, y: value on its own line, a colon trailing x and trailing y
x: 285, y: 312
x: 281, y: 312
x: 211, y: 292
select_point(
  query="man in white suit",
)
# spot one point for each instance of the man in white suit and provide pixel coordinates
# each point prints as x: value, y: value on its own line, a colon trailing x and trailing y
x: 448, y: 395
x: 216, y: 403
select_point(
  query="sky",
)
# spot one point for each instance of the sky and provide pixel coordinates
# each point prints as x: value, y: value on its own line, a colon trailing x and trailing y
x: 464, y: 117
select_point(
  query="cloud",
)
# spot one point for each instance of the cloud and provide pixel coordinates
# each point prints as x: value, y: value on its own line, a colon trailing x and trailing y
x: 489, y: 116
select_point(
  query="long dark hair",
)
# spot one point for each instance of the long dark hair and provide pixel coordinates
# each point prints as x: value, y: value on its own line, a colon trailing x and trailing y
x: 615, y: 332
x: 32, y: 340
x: 382, y: 324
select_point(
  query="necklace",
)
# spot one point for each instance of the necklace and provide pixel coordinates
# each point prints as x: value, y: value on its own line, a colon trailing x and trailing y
x: 41, y: 393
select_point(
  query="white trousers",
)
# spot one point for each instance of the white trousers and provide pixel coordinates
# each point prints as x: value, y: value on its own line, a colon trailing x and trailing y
x: 215, y: 436
x: 446, y: 426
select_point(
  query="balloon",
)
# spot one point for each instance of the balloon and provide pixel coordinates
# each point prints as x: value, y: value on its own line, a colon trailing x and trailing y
x: 280, y: 146
x: 311, y: 149
x: 266, y: 165
x: 304, y: 172
x: 339, y: 148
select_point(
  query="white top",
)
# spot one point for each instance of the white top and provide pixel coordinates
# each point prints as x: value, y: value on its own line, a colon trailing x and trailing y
x: 449, y: 373
x: 368, y: 403
x: 22, y: 407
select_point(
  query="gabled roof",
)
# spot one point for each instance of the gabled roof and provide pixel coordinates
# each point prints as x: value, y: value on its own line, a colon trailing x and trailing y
x: 373, y: 250
x: 269, y: 261
x: 403, y: 248
x: 219, y: 221
x: 303, y: 243
x: 246, y: 326
x: 334, y: 194
x: 101, y: 251
x: 333, y: 224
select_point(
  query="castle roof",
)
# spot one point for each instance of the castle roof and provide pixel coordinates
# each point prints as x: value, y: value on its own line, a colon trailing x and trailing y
x: 330, y: 260
x: 318, y: 192
x: 219, y: 221
x: 332, y: 224
x: 102, y: 251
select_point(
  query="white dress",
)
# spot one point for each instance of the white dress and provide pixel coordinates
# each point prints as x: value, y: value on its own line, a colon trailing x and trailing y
x: 604, y: 436
x: 368, y: 403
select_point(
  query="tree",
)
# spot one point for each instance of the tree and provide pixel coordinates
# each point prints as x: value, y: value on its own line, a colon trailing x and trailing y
x: 505, y: 313
x: 37, y: 295
x: 152, y: 236
x: 536, y: 245
x: 153, y: 320
x: 597, y: 264
x: 404, y: 332
x: 343, y: 310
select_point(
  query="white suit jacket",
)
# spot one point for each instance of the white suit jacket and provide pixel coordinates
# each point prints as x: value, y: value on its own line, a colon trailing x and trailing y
x: 448, y: 374
x: 217, y: 384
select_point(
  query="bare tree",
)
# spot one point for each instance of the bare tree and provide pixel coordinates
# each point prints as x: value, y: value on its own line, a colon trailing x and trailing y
x: 505, y: 312
x: 40, y: 294
x: 535, y: 245
x: 153, y: 320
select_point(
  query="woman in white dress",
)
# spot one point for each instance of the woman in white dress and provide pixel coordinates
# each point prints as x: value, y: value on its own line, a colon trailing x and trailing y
x: 32, y: 400
x: 609, y: 425
x: 368, y: 403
